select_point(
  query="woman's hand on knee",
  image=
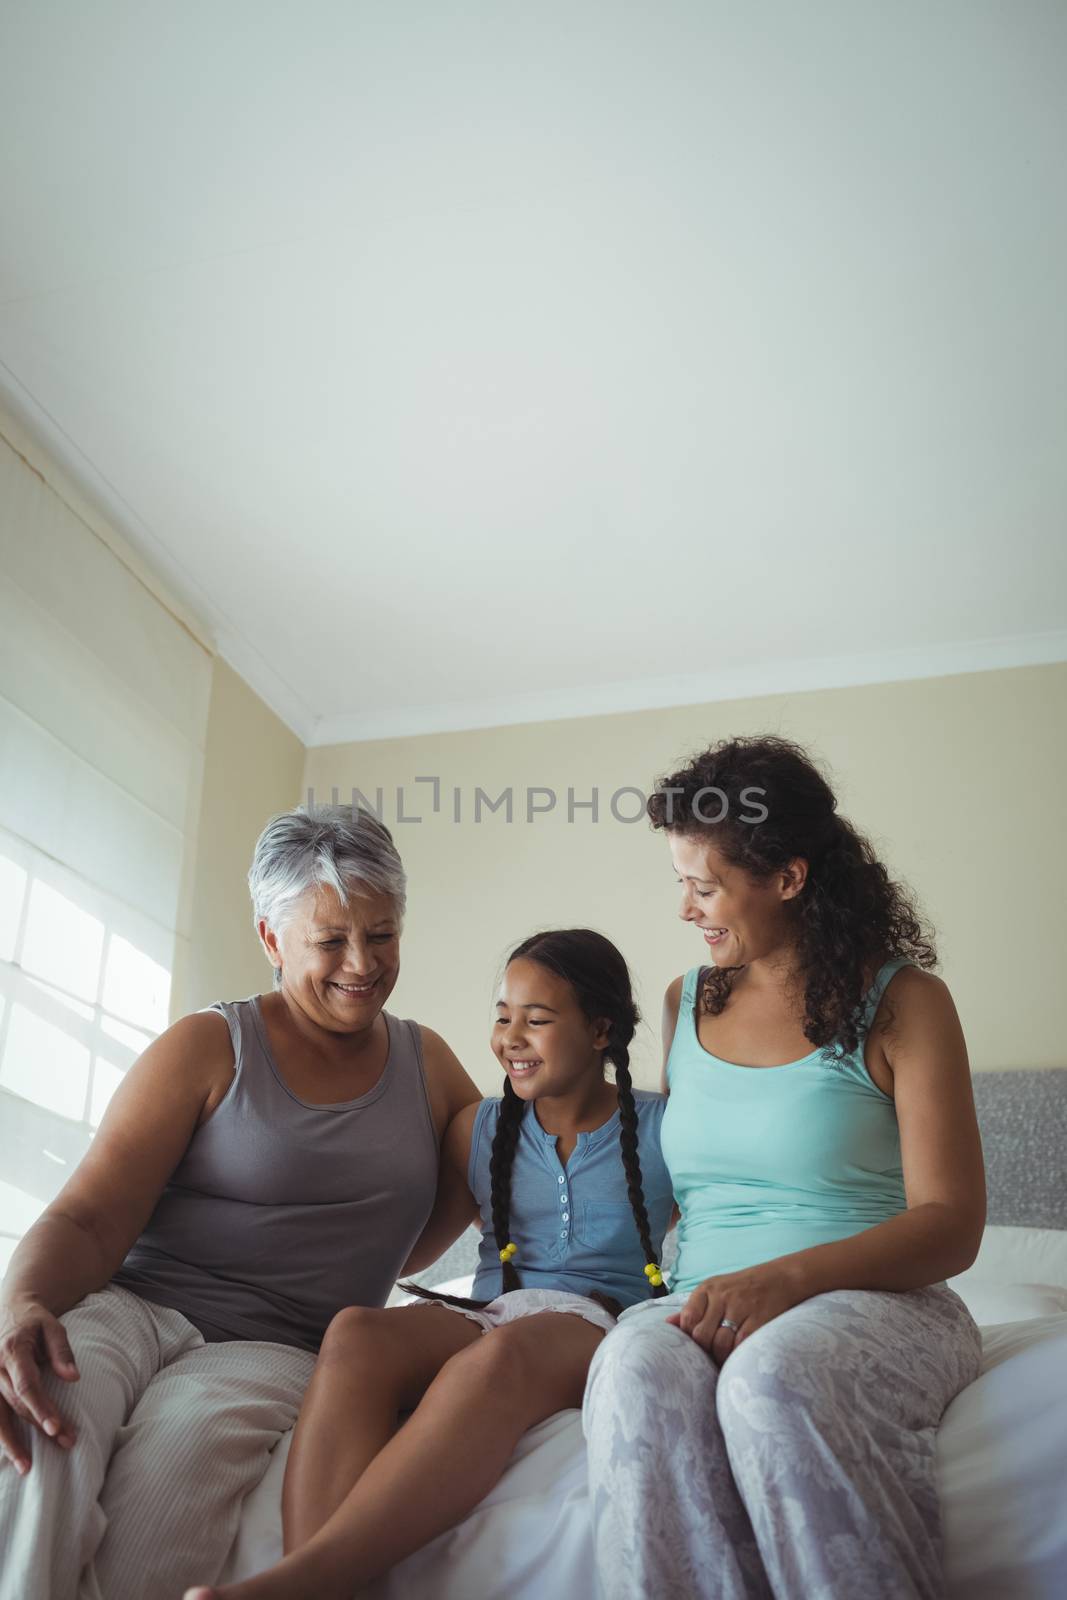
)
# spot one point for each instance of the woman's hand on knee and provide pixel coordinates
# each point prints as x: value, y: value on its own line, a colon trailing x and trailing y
x: 721, y: 1312
x: 31, y: 1337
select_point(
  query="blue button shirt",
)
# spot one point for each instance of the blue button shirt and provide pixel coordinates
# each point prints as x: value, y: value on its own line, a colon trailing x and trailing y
x: 573, y: 1225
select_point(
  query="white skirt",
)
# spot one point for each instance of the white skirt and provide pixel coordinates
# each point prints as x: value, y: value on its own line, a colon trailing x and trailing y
x: 530, y: 1303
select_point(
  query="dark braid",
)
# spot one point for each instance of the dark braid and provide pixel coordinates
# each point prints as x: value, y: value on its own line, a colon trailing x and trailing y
x: 501, y: 1161
x: 600, y: 978
x: 620, y: 1058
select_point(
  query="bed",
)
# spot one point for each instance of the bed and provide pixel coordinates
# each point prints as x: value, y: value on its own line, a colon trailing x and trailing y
x: 1002, y: 1445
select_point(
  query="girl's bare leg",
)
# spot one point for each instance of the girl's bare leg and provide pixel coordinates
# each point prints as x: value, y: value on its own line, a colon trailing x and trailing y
x: 372, y: 1366
x: 441, y: 1463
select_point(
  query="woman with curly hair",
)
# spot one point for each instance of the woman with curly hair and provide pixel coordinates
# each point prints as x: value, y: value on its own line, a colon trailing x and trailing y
x: 768, y: 1428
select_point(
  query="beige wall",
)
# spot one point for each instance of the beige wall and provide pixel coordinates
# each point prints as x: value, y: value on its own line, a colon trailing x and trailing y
x: 959, y: 781
x: 252, y: 768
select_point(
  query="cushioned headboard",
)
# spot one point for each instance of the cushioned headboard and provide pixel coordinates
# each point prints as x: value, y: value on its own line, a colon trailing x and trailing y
x: 1023, y: 1118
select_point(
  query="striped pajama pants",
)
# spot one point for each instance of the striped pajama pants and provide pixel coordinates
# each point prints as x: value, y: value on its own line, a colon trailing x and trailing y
x: 172, y: 1434
x: 802, y: 1469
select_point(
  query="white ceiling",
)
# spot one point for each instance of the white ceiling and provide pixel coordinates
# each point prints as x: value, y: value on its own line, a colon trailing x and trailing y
x: 475, y: 363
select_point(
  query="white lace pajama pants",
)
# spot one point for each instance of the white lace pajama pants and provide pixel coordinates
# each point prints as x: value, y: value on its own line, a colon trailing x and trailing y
x: 804, y: 1469
x: 172, y: 1434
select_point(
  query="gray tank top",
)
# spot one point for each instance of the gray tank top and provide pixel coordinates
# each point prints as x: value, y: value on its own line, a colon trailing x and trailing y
x: 281, y: 1212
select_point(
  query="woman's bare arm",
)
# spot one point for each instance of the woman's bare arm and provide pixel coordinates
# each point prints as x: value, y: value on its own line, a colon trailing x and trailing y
x: 671, y: 1002
x: 448, y: 1084
x: 454, y: 1208
x: 941, y: 1154
x: 82, y: 1237
x: 454, y: 1099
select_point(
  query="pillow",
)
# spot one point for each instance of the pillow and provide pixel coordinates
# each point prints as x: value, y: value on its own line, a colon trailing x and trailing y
x: 990, y: 1302
x: 1021, y: 1255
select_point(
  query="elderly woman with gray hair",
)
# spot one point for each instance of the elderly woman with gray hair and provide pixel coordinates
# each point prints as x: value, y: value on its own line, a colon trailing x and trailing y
x: 265, y: 1163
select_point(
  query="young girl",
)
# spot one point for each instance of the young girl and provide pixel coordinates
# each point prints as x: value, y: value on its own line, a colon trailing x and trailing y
x: 573, y: 1222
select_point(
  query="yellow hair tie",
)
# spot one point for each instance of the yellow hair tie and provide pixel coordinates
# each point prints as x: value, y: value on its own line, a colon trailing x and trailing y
x: 508, y: 1251
x: 651, y: 1269
x: 656, y: 1279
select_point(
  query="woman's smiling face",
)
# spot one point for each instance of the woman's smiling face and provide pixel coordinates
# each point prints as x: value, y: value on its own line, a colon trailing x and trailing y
x: 339, y: 959
x: 541, y: 1037
x: 741, y: 920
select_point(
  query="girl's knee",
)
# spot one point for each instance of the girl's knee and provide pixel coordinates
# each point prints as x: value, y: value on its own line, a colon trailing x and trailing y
x: 502, y: 1356
x: 517, y: 1351
x: 527, y: 1373
x: 355, y: 1330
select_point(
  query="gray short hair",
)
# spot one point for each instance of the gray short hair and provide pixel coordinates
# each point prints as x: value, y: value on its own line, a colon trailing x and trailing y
x: 345, y: 847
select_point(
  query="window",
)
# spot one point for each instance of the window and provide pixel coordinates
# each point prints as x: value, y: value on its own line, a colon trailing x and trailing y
x: 79, y: 1001
x: 103, y: 710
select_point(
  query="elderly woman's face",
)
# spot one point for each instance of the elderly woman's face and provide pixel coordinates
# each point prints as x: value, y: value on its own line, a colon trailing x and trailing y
x: 339, y: 958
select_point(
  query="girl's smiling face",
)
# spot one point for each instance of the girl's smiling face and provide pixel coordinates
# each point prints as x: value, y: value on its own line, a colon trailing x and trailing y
x: 741, y: 920
x: 541, y: 1037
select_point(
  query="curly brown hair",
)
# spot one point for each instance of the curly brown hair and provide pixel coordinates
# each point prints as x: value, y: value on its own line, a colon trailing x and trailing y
x: 850, y: 916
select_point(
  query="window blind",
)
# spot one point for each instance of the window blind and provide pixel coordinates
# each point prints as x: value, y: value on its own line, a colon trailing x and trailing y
x: 103, y: 711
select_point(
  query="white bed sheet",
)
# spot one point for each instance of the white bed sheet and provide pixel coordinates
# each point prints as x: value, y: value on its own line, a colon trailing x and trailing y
x: 1002, y: 1463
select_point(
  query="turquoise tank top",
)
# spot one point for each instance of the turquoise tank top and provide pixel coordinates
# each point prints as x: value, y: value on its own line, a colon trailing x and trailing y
x: 768, y: 1160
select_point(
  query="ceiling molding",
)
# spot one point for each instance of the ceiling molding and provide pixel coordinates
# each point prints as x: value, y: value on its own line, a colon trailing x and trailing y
x: 89, y: 493
x: 50, y: 451
x: 732, y: 683
x: 33, y: 435
x: 249, y: 664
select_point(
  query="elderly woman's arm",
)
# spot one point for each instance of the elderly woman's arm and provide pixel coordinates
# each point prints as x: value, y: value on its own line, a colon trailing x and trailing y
x: 454, y: 1207
x: 454, y: 1100
x: 83, y: 1236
